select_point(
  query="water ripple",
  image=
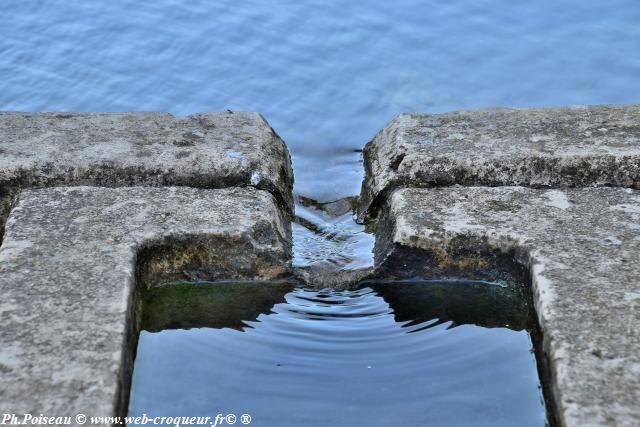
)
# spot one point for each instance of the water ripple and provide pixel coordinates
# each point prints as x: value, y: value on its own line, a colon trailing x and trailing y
x: 341, y: 358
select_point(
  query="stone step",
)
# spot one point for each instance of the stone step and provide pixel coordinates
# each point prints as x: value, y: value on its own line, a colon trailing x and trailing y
x: 582, y: 248
x: 212, y: 150
x: 553, y: 147
x: 74, y: 259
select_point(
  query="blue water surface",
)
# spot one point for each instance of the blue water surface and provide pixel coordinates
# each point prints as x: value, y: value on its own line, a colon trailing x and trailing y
x: 345, y: 359
x: 327, y: 74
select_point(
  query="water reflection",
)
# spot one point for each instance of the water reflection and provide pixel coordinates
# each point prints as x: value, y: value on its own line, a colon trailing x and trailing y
x: 381, y: 355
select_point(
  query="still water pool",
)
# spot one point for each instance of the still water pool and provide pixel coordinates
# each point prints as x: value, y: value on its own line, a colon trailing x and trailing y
x: 410, y: 354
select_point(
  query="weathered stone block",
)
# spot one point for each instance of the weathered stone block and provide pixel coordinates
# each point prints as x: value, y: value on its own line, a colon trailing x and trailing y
x: 582, y: 247
x: 554, y: 147
x: 212, y: 150
x: 73, y: 260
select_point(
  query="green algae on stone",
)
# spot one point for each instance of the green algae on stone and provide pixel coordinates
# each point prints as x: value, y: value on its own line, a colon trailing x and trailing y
x: 185, y: 305
x: 462, y: 302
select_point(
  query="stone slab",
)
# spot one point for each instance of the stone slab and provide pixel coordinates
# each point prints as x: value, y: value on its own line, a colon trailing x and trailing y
x: 69, y: 265
x: 553, y: 147
x: 582, y: 247
x: 211, y: 150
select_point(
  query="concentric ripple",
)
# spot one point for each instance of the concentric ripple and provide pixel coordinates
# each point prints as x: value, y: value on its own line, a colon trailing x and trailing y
x: 341, y: 358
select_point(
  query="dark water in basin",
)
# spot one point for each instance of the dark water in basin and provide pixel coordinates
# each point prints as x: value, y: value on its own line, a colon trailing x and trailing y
x: 385, y: 354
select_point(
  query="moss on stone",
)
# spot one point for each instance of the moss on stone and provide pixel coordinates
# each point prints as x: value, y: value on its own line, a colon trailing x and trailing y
x: 186, y: 305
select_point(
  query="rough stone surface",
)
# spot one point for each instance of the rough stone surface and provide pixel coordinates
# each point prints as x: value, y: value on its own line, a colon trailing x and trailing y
x: 212, y: 150
x: 555, y: 147
x: 582, y: 247
x: 68, y: 268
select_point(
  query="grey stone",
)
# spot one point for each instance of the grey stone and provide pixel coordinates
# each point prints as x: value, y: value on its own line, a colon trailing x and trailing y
x: 73, y: 261
x: 212, y: 150
x: 582, y: 248
x: 555, y: 147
